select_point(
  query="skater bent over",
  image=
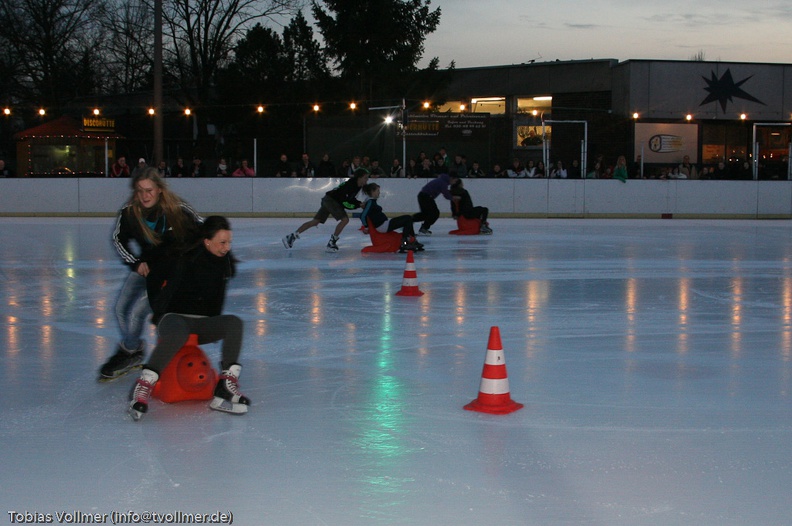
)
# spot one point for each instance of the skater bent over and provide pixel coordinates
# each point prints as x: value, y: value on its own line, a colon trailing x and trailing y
x: 187, y: 295
x: 158, y: 221
x: 335, y: 203
x: 426, y: 201
x: 373, y: 211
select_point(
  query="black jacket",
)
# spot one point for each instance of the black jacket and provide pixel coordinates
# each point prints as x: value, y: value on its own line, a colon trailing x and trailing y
x: 465, y: 205
x: 346, y: 193
x: 127, y: 229
x: 194, y: 284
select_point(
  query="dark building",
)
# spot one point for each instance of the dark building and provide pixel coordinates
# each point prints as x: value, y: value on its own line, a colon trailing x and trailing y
x: 653, y: 111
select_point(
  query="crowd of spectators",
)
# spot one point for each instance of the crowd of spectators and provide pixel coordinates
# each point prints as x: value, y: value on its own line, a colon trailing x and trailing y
x: 424, y: 165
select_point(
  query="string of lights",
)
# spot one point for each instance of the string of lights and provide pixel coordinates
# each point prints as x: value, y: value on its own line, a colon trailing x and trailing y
x: 316, y: 107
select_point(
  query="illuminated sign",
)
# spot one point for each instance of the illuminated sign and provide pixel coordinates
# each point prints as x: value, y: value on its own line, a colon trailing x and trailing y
x: 447, y: 125
x: 98, y: 124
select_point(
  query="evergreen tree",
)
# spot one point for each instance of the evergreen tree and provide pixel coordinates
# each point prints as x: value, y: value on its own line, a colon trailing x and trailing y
x: 258, y: 70
x: 303, y: 52
x: 375, y: 45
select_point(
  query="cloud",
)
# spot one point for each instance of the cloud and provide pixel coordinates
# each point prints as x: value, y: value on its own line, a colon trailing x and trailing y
x: 690, y: 20
x: 584, y: 26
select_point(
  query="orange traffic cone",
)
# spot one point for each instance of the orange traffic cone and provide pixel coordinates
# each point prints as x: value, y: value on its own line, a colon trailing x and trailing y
x: 493, y: 394
x: 410, y: 281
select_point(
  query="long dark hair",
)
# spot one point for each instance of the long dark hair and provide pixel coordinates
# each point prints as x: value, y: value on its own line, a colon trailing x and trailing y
x: 209, y: 228
x: 212, y: 225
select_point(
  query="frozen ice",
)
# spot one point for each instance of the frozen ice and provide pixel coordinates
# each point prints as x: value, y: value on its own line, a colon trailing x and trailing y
x: 654, y: 359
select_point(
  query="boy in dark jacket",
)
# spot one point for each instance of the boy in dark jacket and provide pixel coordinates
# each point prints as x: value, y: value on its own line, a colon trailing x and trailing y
x: 335, y: 203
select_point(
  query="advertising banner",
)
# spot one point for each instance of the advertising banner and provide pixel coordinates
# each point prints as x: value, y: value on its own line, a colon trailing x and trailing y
x: 666, y: 142
x: 447, y: 126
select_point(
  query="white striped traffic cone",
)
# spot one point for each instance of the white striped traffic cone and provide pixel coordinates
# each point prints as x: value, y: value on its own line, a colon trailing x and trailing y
x: 494, y: 394
x: 410, y: 281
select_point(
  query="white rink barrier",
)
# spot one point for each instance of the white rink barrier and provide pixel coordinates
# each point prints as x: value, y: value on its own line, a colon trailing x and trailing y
x: 275, y: 197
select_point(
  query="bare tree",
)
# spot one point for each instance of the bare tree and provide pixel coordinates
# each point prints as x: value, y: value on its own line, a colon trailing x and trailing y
x: 199, y: 36
x: 129, y: 48
x: 55, y: 45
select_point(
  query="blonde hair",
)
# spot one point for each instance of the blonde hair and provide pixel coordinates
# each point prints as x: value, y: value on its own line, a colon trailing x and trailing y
x: 168, y: 202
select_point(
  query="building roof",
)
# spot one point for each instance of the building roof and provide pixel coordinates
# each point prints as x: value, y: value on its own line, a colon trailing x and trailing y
x: 64, y: 126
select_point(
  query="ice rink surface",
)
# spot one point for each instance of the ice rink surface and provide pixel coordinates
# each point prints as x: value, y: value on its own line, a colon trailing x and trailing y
x: 654, y: 359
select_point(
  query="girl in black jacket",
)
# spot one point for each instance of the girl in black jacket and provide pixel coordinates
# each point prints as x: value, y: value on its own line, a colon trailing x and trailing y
x: 462, y: 205
x: 187, y: 295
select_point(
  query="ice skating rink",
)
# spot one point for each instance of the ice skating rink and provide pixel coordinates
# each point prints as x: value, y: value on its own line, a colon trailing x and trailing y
x: 654, y: 359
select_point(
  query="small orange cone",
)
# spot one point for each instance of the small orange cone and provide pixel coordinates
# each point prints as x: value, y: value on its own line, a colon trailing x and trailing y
x: 410, y: 281
x: 493, y: 394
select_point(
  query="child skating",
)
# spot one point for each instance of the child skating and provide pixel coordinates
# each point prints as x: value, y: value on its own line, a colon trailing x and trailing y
x: 335, y: 203
x: 372, y: 211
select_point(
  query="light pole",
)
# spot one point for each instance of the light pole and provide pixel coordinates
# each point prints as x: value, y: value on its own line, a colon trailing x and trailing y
x: 158, y: 126
x: 402, y: 108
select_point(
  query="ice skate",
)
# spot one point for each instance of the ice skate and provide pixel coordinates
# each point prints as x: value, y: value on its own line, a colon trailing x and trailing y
x: 331, y: 245
x: 410, y: 244
x: 289, y: 239
x: 141, y: 392
x: 227, y: 397
x: 122, y: 362
x: 485, y: 229
x: 424, y: 232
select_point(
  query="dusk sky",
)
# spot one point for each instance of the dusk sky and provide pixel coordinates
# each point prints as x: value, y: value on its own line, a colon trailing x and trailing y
x: 500, y: 32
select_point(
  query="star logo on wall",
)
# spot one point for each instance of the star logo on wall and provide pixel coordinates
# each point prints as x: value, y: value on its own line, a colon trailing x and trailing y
x: 724, y: 89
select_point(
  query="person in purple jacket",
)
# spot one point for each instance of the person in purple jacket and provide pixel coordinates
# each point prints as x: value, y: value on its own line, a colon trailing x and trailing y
x: 426, y: 201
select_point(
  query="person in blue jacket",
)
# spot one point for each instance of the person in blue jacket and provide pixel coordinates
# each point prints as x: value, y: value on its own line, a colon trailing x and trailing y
x: 335, y: 203
x: 373, y: 211
x: 429, y: 213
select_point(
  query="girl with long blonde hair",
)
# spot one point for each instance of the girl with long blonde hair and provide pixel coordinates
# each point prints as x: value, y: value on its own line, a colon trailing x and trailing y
x: 158, y: 222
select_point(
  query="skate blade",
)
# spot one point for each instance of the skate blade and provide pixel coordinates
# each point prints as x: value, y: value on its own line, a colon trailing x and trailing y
x: 105, y: 379
x: 227, y: 406
x: 135, y: 414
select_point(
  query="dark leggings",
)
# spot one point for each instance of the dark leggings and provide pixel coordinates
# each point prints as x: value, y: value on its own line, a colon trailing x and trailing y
x: 405, y: 223
x: 429, y: 211
x: 478, y: 212
x: 174, y: 329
